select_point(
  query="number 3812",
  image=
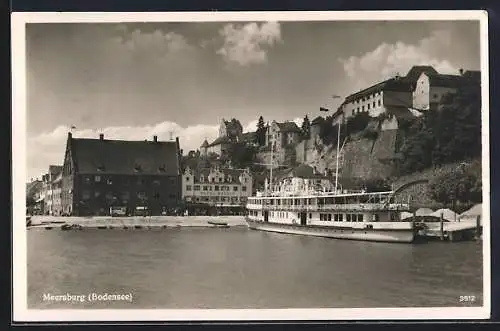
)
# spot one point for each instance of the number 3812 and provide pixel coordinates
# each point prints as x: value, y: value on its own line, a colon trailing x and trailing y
x: 467, y: 298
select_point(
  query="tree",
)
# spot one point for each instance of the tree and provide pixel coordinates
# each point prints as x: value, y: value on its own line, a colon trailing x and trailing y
x: 261, y: 132
x: 462, y: 185
x: 306, y: 128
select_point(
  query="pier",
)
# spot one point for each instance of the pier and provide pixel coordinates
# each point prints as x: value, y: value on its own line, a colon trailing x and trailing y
x: 452, y: 231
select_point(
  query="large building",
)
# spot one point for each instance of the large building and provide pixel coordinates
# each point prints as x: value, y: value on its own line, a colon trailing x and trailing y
x: 133, y: 176
x: 229, y: 133
x: 282, y: 138
x: 52, y: 190
x: 217, y: 186
x: 421, y: 89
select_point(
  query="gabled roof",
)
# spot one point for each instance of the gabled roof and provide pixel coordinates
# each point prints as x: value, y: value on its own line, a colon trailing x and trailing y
x: 414, y: 73
x: 220, y: 140
x: 288, y: 126
x: 399, y: 84
x: 125, y: 157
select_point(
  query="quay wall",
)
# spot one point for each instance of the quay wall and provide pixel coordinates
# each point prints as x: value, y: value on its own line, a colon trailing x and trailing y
x: 182, y: 221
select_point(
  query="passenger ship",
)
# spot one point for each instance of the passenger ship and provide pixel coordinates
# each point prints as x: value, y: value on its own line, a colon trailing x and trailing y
x: 307, y: 203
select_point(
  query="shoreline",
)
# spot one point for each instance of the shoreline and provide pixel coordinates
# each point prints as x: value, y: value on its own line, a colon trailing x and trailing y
x: 148, y: 222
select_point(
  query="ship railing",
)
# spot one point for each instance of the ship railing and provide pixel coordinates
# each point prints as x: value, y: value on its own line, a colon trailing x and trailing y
x: 354, y: 207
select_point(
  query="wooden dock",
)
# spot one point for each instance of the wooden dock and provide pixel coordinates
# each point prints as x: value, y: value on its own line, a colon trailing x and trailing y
x: 451, y: 231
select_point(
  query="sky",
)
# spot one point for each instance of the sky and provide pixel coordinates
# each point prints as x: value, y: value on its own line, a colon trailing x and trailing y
x: 135, y: 80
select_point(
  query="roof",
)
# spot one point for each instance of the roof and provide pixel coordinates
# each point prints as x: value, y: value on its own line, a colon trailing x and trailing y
x: 220, y: 140
x: 441, y: 80
x: 249, y: 136
x: 317, y: 120
x: 301, y: 171
x: 400, y: 84
x: 33, y: 188
x: 288, y: 126
x: 205, y: 143
x: 125, y: 157
x: 414, y: 73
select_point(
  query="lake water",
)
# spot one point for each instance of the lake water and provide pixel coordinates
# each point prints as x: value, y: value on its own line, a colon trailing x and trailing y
x: 241, y: 268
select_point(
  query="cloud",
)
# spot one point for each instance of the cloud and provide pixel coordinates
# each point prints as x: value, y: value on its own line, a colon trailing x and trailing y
x: 247, y: 44
x: 48, y: 148
x: 387, y: 60
x: 157, y: 46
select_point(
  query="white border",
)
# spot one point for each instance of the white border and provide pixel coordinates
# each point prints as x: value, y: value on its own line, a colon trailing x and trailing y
x: 20, y: 311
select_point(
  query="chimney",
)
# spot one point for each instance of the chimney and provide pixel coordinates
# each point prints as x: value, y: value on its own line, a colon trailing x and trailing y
x: 155, y: 139
x: 461, y: 71
x: 101, y: 136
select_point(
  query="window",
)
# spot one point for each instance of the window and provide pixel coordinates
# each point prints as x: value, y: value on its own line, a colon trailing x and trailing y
x: 205, y: 188
x: 310, y: 215
x: 373, y: 104
x: 379, y: 103
x: 156, y: 195
x: 87, y: 180
x: 202, y: 179
x: 109, y: 181
x: 188, y: 187
x: 97, y: 179
x: 141, y: 195
x: 363, y: 108
x: 197, y: 187
x: 368, y: 106
x: 348, y: 217
x: 235, y: 188
x: 329, y: 217
x: 336, y: 217
x: 187, y: 178
x: 244, y: 188
x: 435, y: 96
x: 216, y: 187
x: 360, y: 217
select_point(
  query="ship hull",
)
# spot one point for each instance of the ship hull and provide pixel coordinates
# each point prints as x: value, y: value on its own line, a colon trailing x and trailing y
x: 377, y: 235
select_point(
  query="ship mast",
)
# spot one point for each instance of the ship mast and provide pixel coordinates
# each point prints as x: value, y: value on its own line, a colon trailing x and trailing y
x: 337, y: 160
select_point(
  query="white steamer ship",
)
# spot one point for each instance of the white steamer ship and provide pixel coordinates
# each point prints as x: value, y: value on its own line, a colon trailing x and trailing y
x: 307, y: 203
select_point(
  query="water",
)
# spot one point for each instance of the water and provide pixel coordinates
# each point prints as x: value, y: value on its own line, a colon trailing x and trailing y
x: 241, y: 268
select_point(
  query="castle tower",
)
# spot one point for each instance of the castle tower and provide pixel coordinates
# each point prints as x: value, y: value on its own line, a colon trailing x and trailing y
x: 204, y: 148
